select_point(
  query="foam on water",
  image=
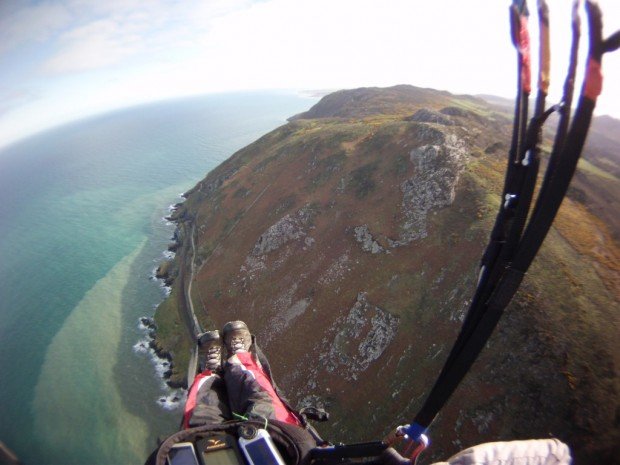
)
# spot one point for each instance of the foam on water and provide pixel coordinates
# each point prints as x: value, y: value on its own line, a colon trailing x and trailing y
x: 161, y: 365
x: 173, y: 401
x: 170, y: 398
x: 141, y: 347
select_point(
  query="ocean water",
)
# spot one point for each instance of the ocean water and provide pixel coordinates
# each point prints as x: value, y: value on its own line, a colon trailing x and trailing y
x: 82, y: 229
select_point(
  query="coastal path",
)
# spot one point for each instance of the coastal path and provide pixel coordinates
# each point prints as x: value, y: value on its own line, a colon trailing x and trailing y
x: 193, y: 359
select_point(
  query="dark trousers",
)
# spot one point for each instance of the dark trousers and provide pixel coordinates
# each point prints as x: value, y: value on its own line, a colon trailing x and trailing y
x: 243, y: 388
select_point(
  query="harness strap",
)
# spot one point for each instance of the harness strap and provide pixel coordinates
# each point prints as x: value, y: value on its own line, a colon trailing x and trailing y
x: 511, y: 250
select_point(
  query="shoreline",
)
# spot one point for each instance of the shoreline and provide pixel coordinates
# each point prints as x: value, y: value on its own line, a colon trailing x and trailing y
x: 169, y: 365
x: 148, y: 345
x: 172, y: 397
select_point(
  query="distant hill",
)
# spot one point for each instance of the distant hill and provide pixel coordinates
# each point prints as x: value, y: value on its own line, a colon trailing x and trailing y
x: 349, y: 240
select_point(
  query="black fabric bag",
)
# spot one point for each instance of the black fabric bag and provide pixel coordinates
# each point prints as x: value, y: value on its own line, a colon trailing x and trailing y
x: 294, y: 443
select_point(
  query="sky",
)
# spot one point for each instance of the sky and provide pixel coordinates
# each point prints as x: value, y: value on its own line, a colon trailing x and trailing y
x: 61, y: 60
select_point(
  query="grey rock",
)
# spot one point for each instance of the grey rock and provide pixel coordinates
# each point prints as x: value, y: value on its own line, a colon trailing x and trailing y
x: 369, y: 244
x: 433, y: 186
x: 337, y: 270
x: 362, y: 336
x: 283, y: 319
x: 429, y: 116
x: 288, y: 228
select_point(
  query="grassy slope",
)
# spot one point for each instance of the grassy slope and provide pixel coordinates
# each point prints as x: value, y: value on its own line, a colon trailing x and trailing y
x: 549, y: 368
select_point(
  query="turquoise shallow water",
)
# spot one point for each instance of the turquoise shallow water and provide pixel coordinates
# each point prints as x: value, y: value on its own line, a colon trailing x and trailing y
x: 81, y: 230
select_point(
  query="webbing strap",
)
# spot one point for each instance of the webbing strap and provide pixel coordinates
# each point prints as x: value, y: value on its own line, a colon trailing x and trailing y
x: 565, y: 109
x: 513, y: 182
x: 511, y: 250
x: 544, y: 65
x: 568, y: 155
x: 518, y: 19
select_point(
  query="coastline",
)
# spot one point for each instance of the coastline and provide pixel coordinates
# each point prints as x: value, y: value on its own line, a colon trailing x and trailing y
x: 176, y: 323
x: 165, y: 339
x: 129, y: 178
x: 172, y: 390
x: 162, y: 363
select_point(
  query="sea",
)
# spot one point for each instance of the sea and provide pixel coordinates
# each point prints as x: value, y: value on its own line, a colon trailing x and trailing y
x: 82, y: 229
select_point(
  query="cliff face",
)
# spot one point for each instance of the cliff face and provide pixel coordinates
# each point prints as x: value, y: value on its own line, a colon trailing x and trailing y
x: 349, y: 240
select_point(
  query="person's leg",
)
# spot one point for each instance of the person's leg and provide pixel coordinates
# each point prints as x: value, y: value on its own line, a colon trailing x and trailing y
x: 207, y: 401
x: 249, y: 387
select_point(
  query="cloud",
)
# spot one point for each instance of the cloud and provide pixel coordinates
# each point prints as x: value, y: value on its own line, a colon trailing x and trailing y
x: 87, y: 56
x: 110, y: 33
x: 94, y: 45
x: 30, y: 24
x: 15, y: 98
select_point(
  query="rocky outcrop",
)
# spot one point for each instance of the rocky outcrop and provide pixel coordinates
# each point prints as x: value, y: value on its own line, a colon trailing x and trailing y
x: 289, y: 228
x: 462, y: 113
x: 428, y: 116
x: 433, y: 185
x: 361, y: 337
x: 149, y: 324
x: 369, y: 244
x: 167, y: 272
x: 175, y: 382
x: 495, y: 147
x: 178, y: 213
x: 282, y: 320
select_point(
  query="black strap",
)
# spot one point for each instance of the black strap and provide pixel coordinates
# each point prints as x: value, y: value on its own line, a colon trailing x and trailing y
x: 518, y: 13
x: 514, y: 241
x: 512, y: 185
x: 569, y: 152
x: 565, y: 108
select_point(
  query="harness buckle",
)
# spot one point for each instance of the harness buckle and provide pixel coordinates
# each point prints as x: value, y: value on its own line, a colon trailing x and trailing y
x: 509, y: 199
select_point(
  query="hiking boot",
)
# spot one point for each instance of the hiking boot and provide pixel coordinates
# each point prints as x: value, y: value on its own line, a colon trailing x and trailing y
x: 210, y: 344
x: 237, y: 337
